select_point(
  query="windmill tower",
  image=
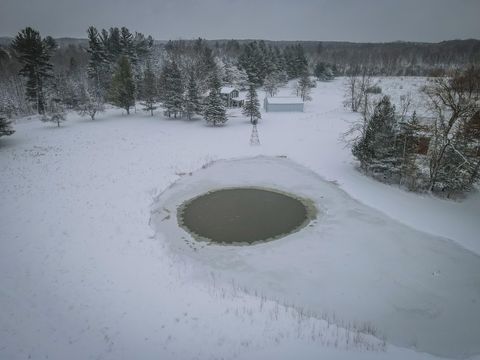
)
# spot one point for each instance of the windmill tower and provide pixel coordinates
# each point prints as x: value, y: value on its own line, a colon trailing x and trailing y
x: 254, y: 140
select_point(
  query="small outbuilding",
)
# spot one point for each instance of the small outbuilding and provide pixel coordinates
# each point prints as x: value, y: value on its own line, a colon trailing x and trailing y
x: 285, y: 103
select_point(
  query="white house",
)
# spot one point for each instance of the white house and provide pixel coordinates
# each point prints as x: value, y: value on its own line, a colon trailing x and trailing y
x: 283, y: 103
x: 231, y: 96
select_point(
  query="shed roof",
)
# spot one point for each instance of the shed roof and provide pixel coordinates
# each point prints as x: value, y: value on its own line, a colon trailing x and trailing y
x: 284, y: 100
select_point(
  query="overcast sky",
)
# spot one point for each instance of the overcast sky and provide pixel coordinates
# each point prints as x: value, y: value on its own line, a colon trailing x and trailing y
x: 345, y: 20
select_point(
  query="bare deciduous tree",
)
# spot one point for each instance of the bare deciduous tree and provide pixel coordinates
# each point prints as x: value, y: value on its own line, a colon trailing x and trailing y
x: 454, y: 102
x: 356, y: 88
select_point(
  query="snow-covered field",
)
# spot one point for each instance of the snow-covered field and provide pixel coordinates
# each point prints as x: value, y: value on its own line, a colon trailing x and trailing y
x: 86, y: 272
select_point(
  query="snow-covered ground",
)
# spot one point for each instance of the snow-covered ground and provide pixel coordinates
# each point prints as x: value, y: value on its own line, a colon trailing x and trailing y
x: 84, y: 274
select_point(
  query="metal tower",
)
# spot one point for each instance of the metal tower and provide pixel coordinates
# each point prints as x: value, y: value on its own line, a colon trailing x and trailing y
x: 254, y: 140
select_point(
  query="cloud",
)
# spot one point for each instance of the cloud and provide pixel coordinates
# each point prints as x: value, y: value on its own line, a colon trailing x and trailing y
x: 346, y: 20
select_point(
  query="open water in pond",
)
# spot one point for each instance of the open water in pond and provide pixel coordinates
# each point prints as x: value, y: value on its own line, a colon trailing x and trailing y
x: 243, y: 215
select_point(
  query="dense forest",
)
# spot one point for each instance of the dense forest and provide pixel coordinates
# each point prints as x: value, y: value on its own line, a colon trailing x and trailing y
x: 390, y: 59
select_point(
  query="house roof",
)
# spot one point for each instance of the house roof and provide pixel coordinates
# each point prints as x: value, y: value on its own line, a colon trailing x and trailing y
x: 284, y: 100
x: 226, y: 89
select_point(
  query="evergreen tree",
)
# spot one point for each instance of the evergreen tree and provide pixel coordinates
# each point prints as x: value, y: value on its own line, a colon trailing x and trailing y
x: 376, y: 149
x: 5, y: 126
x: 295, y: 61
x: 149, y: 90
x: 113, y: 45
x: 279, y: 60
x: 106, y: 48
x: 301, y: 64
x: 126, y: 45
x: 172, y: 89
x: 323, y: 72
x: 192, y: 100
x: 122, y: 88
x: 252, y: 105
x: 215, y: 112
x: 98, y: 69
x: 252, y: 62
x: 34, y: 54
x: 304, y: 87
x: 408, y: 140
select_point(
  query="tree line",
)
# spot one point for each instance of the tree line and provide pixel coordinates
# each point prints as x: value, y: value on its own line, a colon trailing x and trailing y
x: 124, y: 69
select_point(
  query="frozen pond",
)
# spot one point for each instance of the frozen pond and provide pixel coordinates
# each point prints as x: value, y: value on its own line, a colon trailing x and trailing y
x: 243, y: 215
x: 421, y: 291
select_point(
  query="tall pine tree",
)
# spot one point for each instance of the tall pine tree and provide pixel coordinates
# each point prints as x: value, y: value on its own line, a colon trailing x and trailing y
x: 172, y: 89
x: 376, y: 149
x: 192, y: 100
x: 34, y: 53
x: 122, y: 88
x: 408, y: 141
x: 149, y: 90
x: 252, y: 105
x: 98, y: 68
x: 215, y: 112
x: 304, y: 86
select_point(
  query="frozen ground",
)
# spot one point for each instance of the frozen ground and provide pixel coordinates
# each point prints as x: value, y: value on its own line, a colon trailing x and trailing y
x: 85, y: 276
x: 425, y: 288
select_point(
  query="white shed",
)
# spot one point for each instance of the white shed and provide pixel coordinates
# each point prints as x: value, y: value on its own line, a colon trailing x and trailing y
x: 285, y: 103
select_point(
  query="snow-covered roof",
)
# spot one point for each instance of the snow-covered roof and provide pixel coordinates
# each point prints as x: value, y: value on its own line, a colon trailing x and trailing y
x: 227, y: 89
x: 284, y: 100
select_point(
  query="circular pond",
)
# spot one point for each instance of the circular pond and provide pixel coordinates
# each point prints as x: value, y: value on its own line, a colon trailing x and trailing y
x: 244, y: 215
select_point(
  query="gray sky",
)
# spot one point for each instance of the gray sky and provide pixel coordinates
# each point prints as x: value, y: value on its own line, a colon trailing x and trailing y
x: 345, y: 20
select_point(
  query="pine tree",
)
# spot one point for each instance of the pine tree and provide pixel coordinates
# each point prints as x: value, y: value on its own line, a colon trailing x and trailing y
x: 192, y: 100
x: 252, y: 62
x: 408, y: 142
x: 5, y: 126
x: 34, y: 54
x: 305, y: 85
x: 279, y: 61
x: 106, y: 48
x: 172, y: 89
x: 252, y: 105
x: 98, y: 68
x: 376, y: 149
x: 301, y: 63
x: 215, y: 112
x: 127, y: 47
x: 122, y: 88
x: 149, y: 90
x: 295, y: 61
x: 323, y: 72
